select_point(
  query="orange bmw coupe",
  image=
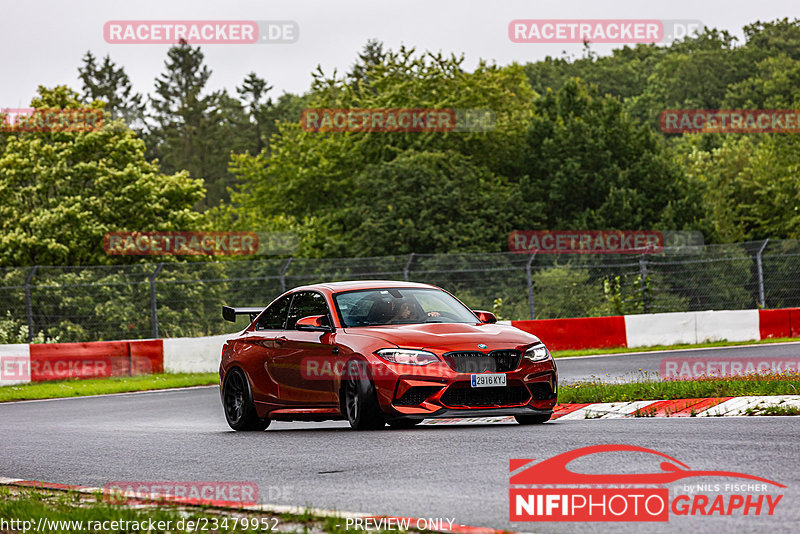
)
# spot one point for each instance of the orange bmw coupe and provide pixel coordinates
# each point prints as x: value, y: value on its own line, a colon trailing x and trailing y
x: 380, y: 352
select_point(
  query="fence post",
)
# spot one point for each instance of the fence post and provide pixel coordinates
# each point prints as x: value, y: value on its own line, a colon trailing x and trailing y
x: 153, y: 301
x: 761, y: 300
x: 283, y: 274
x: 530, y: 285
x: 408, y: 266
x: 28, y: 303
x: 643, y: 280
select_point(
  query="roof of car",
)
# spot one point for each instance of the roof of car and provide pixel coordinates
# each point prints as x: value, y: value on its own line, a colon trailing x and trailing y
x: 336, y: 287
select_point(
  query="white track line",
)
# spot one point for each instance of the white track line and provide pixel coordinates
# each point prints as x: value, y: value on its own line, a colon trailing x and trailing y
x: 123, y: 393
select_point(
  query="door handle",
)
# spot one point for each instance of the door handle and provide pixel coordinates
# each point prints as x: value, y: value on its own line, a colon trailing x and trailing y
x: 281, y: 340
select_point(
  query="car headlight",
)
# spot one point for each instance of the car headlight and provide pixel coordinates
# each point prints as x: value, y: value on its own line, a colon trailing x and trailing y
x: 407, y: 356
x: 537, y: 353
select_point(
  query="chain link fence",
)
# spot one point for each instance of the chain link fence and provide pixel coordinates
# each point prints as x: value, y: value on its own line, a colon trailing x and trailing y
x: 174, y: 299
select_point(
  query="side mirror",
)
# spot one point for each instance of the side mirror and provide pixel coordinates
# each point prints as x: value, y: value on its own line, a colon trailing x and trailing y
x: 485, y: 316
x: 314, y: 323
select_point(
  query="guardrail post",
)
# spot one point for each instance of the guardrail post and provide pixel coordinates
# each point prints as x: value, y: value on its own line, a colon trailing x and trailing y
x: 643, y: 280
x: 28, y: 303
x: 153, y: 301
x: 283, y: 274
x: 408, y: 266
x: 530, y: 284
x: 761, y: 299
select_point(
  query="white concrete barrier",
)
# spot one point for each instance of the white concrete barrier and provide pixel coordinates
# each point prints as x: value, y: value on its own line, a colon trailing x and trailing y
x: 193, y: 354
x: 15, y: 364
x: 661, y: 329
x: 729, y: 325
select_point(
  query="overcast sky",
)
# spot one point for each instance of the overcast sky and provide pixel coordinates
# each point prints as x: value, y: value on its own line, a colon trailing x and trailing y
x: 43, y: 41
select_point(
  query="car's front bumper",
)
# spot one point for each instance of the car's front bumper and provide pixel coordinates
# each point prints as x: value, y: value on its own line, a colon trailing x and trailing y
x: 433, y: 392
x: 446, y: 413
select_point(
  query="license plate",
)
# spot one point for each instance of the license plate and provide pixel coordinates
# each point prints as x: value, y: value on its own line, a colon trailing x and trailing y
x: 488, y: 380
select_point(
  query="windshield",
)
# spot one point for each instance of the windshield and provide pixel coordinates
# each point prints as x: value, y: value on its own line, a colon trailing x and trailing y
x: 389, y: 306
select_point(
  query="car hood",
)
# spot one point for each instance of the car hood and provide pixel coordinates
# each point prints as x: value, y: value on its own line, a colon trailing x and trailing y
x: 455, y: 336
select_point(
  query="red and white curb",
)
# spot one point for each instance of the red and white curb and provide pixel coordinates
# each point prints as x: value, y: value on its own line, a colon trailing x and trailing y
x: 259, y: 508
x: 741, y: 405
x: 704, y: 407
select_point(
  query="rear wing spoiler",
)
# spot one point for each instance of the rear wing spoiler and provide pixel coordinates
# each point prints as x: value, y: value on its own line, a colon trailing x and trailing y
x: 229, y: 313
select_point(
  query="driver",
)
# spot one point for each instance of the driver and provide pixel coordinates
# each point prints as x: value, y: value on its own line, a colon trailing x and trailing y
x: 406, y: 313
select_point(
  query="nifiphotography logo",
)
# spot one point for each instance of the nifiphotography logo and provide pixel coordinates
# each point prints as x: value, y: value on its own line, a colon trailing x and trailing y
x: 549, y: 491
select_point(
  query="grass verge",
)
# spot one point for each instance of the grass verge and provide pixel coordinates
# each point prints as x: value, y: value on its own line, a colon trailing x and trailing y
x: 102, y: 386
x: 773, y: 410
x: 63, y: 512
x: 656, y: 348
x: 737, y: 386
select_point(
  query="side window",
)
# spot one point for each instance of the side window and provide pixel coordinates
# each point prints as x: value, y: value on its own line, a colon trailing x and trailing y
x: 274, y: 317
x: 305, y: 304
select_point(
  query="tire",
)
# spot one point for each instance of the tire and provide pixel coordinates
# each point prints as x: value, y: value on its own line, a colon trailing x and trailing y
x: 359, y: 400
x: 237, y: 401
x: 532, y: 419
x: 404, y: 423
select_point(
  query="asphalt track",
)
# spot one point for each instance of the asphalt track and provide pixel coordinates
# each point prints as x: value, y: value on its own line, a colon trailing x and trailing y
x: 450, y: 471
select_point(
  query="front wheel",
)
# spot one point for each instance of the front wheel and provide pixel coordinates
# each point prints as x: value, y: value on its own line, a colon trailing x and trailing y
x: 237, y: 400
x: 532, y: 419
x: 360, y: 400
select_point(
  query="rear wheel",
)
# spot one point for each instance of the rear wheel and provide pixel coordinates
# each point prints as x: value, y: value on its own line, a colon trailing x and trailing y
x: 360, y: 402
x: 237, y: 400
x: 532, y: 419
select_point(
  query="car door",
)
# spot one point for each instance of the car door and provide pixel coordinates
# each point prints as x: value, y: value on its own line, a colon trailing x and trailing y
x: 305, y: 362
x: 259, y: 347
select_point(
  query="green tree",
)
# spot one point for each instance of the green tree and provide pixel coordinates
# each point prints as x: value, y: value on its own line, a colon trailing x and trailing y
x: 594, y: 167
x: 370, y: 57
x: 318, y: 181
x: 423, y: 202
x: 110, y: 84
x: 61, y: 192
x: 254, y: 92
x: 774, y: 84
x: 694, y: 74
x: 749, y: 186
x: 774, y: 38
x: 192, y: 130
x: 623, y: 73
